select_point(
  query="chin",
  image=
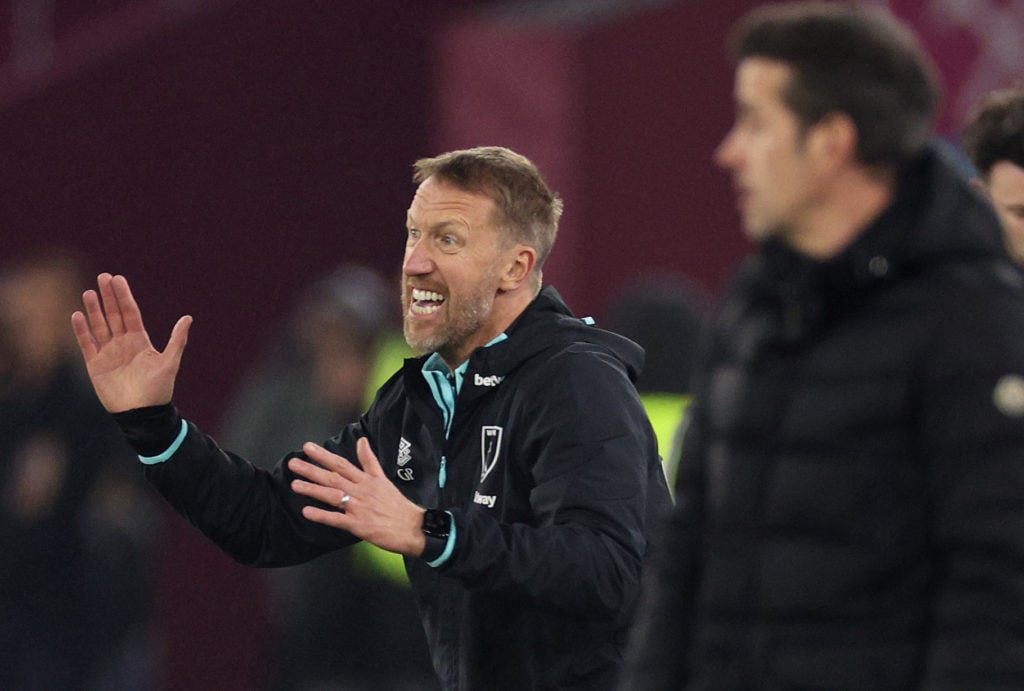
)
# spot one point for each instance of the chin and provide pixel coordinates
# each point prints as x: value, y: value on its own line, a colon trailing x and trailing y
x: 756, y: 233
x: 419, y: 343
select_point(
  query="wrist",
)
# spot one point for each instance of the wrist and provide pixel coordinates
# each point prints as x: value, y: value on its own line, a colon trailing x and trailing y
x: 149, y: 430
x: 438, y: 536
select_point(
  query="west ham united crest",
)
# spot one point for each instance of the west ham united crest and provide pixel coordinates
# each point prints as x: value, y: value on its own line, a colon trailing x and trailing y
x: 490, y: 449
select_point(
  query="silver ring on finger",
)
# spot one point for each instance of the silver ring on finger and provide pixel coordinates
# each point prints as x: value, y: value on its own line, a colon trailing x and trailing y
x: 345, y: 499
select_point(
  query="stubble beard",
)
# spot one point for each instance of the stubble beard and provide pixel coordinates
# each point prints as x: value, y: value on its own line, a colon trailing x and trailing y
x: 465, y: 318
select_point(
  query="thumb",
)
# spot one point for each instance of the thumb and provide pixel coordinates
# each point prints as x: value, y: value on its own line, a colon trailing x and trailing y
x: 179, y: 339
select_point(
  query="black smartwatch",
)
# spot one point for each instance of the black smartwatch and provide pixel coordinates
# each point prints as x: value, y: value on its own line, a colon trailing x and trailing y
x: 437, y: 526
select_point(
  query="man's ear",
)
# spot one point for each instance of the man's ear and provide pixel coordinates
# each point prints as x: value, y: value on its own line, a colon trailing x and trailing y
x: 833, y: 140
x: 519, y: 267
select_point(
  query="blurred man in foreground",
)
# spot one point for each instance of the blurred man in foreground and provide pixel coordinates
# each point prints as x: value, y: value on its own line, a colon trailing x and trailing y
x: 848, y: 510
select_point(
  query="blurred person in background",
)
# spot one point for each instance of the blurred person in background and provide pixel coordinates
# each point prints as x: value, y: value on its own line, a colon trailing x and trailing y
x: 74, y: 518
x: 334, y: 612
x: 994, y: 140
x: 848, y: 504
x: 666, y: 315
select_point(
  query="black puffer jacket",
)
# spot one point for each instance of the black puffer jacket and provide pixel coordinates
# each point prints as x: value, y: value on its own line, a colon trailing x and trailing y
x: 850, y: 505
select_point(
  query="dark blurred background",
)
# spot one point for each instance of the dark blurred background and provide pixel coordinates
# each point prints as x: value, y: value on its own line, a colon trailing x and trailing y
x: 222, y: 153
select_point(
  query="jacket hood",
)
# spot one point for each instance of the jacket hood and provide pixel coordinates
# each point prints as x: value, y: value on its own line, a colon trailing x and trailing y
x: 549, y: 323
x: 936, y: 214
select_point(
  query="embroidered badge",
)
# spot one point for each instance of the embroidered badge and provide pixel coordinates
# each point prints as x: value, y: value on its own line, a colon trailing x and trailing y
x: 490, y: 449
x: 404, y: 456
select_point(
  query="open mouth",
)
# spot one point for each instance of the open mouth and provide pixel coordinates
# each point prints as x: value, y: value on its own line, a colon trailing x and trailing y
x: 425, y: 301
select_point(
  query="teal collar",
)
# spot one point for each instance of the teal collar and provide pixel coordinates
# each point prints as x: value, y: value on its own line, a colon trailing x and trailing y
x: 446, y: 385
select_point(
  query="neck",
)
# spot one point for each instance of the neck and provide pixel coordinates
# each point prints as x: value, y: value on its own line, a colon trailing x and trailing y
x: 506, y: 309
x: 852, y: 202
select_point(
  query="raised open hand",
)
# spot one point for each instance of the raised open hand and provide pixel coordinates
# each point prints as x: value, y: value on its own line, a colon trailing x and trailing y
x: 126, y: 370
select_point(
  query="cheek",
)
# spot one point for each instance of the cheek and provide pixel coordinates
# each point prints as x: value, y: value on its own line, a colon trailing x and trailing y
x: 1015, y: 227
x: 769, y: 159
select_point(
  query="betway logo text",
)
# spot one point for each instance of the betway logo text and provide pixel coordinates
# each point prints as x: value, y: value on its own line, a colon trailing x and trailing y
x: 492, y: 380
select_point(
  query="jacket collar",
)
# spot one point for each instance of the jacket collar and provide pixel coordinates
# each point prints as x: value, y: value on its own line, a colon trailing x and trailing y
x: 547, y: 322
x: 935, y: 217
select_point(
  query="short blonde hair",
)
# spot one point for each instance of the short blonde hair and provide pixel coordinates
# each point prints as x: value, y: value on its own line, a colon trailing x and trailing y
x: 529, y: 210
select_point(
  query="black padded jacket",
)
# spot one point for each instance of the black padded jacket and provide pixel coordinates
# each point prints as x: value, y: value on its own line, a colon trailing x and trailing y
x: 850, y: 500
x: 552, y: 523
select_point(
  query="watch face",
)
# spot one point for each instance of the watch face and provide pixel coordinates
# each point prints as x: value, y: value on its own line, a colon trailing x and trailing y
x: 437, y: 523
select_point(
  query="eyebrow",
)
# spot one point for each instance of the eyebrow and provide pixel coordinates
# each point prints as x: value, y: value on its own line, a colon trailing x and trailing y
x: 442, y: 225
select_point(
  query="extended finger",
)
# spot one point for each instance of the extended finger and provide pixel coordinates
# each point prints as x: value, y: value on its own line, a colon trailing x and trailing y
x: 111, y: 308
x: 330, y: 495
x: 314, y: 473
x: 334, y: 519
x: 96, y: 321
x: 80, y: 325
x: 333, y: 461
x: 128, y: 309
x: 329, y: 476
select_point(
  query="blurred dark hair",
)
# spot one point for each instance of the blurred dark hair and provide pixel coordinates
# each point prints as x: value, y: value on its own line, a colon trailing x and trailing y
x: 666, y: 316
x: 850, y: 59
x: 995, y: 130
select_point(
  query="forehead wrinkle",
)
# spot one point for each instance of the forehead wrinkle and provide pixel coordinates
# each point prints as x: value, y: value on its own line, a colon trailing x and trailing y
x: 442, y: 195
x: 438, y: 226
x: 454, y: 214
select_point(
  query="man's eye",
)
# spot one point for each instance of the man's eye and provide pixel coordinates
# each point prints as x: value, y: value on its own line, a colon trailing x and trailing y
x: 448, y: 243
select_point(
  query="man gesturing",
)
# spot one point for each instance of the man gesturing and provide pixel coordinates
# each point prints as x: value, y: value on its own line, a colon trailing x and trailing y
x: 512, y: 464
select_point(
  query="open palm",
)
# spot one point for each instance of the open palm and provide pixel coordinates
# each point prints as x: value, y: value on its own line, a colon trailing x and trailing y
x: 126, y: 370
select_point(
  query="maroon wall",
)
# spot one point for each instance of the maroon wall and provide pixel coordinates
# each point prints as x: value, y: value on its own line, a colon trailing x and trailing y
x: 223, y: 162
x: 659, y: 99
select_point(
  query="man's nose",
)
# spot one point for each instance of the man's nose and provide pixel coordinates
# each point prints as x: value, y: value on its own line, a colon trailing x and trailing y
x: 417, y: 260
x: 725, y: 152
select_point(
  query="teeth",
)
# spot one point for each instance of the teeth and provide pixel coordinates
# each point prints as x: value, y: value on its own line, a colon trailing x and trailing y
x: 430, y: 295
x: 417, y: 308
x: 425, y: 301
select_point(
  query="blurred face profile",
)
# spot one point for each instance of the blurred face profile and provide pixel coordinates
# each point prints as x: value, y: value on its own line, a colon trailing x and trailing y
x: 773, y: 174
x: 1005, y: 187
x: 34, y: 304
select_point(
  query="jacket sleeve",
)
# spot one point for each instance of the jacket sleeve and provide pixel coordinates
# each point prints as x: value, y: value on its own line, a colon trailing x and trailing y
x: 250, y: 513
x: 595, y: 477
x: 973, y: 439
